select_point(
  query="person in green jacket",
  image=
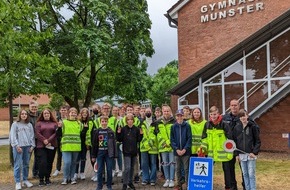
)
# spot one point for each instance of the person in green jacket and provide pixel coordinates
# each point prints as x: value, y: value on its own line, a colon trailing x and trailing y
x: 71, y: 137
x: 162, y: 130
x: 196, y: 123
x: 148, y: 150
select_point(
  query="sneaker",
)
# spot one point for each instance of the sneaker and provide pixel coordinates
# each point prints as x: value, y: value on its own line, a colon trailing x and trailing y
x: 56, y: 172
x: 64, y: 182
x: 18, y: 186
x: 114, y: 173
x: 124, y: 187
x: 41, y: 183
x: 171, y: 183
x: 120, y: 174
x: 82, y: 176
x: 136, y: 179
x: 73, y: 181
x: 152, y: 183
x: 131, y: 186
x: 166, y: 184
x: 47, y: 182
x: 27, y: 183
x: 76, y: 176
x: 144, y: 182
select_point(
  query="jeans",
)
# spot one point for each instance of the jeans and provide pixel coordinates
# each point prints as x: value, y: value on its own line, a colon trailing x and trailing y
x: 249, y: 173
x: 21, y: 162
x: 101, y: 159
x: 182, y: 163
x: 46, y: 158
x: 168, y: 165
x: 148, y: 165
x: 69, y: 164
x: 129, y: 162
x: 119, y: 160
x: 82, y: 157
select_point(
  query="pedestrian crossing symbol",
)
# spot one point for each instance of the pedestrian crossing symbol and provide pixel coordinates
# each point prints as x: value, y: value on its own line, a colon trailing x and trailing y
x: 200, y: 168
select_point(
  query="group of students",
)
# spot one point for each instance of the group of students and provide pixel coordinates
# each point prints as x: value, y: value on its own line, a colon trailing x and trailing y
x: 122, y: 136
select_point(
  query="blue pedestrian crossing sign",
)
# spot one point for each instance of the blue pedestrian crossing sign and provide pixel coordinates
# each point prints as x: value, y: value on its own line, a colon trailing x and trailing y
x: 200, y: 173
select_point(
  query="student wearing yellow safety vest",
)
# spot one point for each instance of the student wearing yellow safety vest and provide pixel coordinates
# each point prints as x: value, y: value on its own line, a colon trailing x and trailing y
x: 85, y: 144
x: 197, y: 125
x: 162, y: 130
x: 72, y: 135
x: 215, y: 133
x: 148, y: 150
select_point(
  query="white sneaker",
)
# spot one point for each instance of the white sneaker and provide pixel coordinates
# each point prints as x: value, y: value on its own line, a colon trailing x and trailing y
x: 82, y: 176
x: 64, y: 182
x: 95, y: 177
x: 120, y: 173
x: 56, y: 172
x: 114, y: 173
x: 18, y: 186
x: 27, y: 183
x: 171, y: 183
x: 166, y: 184
x: 75, y: 176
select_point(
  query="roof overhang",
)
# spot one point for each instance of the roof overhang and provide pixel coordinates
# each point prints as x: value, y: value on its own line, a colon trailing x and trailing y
x: 231, y: 56
x: 172, y: 13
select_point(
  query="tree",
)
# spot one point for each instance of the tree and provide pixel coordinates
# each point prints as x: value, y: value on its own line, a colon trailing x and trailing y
x: 164, y: 80
x: 23, y: 67
x: 100, y: 45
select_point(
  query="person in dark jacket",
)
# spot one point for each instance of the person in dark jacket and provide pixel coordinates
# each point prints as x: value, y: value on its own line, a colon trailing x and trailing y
x: 246, y: 137
x: 181, y: 139
x: 129, y: 135
x: 104, y: 151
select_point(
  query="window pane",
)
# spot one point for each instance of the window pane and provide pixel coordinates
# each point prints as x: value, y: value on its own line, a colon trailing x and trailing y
x: 234, y: 91
x: 280, y: 56
x: 190, y: 99
x: 257, y: 93
x: 216, y: 79
x: 277, y: 84
x: 212, y: 97
x: 256, y: 65
x: 234, y: 72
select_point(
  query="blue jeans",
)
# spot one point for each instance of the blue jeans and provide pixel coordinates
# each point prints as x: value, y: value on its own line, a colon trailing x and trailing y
x: 21, y: 162
x: 168, y: 164
x: 119, y: 159
x: 148, y: 165
x: 249, y: 173
x: 69, y: 164
x: 101, y: 159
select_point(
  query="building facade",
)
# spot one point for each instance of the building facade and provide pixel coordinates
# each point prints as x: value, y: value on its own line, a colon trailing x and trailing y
x: 236, y: 49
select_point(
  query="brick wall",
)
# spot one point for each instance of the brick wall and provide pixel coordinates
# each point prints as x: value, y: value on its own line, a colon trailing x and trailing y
x: 273, y: 124
x: 200, y: 43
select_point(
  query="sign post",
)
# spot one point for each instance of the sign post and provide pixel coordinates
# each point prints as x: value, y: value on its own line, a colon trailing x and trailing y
x: 200, y: 173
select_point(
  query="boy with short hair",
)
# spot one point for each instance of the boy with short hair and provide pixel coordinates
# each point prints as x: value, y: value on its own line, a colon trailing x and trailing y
x: 181, y: 139
x: 104, y: 151
x: 215, y: 133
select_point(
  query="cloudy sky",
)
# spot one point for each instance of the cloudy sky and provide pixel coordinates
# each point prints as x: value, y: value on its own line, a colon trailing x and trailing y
x: 164, y: 37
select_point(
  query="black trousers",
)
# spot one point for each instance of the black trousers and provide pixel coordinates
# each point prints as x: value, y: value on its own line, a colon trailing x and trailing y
x: 59, y: 156
x: 229, y: 174
x: 46, y: 157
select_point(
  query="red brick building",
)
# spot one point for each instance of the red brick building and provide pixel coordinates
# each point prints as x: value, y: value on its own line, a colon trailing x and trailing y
x: 22, y: 102
x: 236, y: 49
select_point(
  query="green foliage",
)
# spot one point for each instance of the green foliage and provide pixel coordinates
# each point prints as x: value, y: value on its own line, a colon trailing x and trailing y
x: 164, y: 80
x: 99, y: 46
x: 24, y: 69
x: 56, y: 101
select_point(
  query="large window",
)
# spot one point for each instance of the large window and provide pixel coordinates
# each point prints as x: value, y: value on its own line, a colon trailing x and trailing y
x: 253, y: 79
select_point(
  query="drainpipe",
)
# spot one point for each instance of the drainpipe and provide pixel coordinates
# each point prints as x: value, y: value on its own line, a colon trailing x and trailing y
x: 171, y: 22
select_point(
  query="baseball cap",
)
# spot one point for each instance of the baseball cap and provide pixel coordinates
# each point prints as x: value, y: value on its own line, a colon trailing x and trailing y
x: 179, y: 112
